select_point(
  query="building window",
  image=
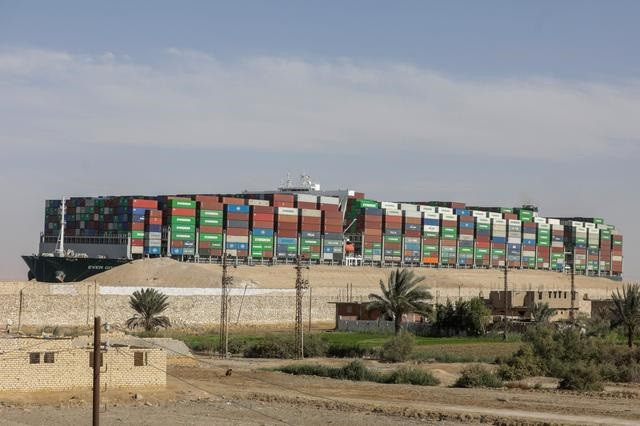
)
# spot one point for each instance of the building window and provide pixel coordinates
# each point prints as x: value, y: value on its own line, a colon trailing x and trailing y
x: 34, y: 358
x: 91, y: 360
x: 549, y: 295
x: 539, y: 295
x: 139, y: 359
x: 565, y: 294
x: 49, y: 357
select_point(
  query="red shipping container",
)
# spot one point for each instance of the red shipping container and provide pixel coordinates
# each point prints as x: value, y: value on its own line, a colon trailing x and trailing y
x: 238, y: 231
x: 182, y: 212
x: 332, y: 229
x: 287, y: 226
x: 237, y: 216
x: 466, y: 218
x: 210, y: 205
x: 286, y: 219
x: 154, y: 221
x: 328, y: 207
x: 154, y: 213
x: 306, y: 205
x: 289, y: 233
x: 266, y: 225
x: 262, y: 217
x: 210, y: 229
x: 137, y: 242
x: 177, y: 244
x: 204, y: 244
x: 137, y: 226
x: 147, y: 204
x: 233, y: 201
x: 262, y: 210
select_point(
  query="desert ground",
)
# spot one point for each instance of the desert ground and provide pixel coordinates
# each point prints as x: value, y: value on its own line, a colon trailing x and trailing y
x: 200, y: 393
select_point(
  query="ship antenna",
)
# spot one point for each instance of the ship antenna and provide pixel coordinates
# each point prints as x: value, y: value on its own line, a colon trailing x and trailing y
x: 63, y: 212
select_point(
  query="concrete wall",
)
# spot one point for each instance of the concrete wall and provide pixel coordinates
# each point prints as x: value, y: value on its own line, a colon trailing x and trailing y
x: 76, y: 304
x: 70, y: 367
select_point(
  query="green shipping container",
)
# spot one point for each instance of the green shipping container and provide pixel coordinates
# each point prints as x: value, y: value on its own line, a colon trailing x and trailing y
x: 211, y: 213
x: 267, y: 240
x: 206, y: 221
x: 182, y: 236
x: 182, y: 204
x: 137, y: 234
x: 211, y: 237
x: 183, y: 228
x: 183, y: 220
x: 392, y: 239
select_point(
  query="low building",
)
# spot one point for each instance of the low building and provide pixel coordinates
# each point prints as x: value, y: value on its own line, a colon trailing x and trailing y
x: 521, y: 303
x: 36, y: 363
x: 357, y: 311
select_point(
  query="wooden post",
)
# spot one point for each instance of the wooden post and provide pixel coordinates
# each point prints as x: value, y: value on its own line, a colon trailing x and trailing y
x: 96, y: 371
x: 310, y: 309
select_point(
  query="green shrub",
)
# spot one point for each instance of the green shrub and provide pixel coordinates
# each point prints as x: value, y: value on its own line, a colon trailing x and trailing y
x: 477, y: 376
x: 523, y: 363
x: 398, y: 348
x: 347, y: 351
x: 581, y: 377
x: 357, y: 371
x: 283, y: 346
x: 413, y: 376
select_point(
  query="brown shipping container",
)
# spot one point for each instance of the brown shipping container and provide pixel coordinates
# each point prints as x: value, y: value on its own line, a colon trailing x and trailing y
x: 288, y: 233
x: 261, y: 224
x: 237, y: 216
x: 332, y: 229
x: 238, y: 231
x: 286, y: 219
x: 211, y: 229
x: 233, y: 200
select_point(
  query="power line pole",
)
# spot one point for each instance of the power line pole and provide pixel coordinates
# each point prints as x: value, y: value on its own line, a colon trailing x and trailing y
x: 572, y: 315
x: 301, y: 285
x: 224, y: 309
x: 96, y: 371
x: 506, y: 302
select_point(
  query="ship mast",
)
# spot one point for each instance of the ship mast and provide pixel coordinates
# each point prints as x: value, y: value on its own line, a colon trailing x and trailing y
x: 60, y: 246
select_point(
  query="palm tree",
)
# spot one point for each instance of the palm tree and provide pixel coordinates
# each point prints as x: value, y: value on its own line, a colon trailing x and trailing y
x: 626, y: 308
x: 149, y: 304
x: 541, y: 312
x: 402, y: 295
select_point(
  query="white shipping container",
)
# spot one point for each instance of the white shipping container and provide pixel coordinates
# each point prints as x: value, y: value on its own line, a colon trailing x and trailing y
x: 544, y: 226
x: 494, y: 215
x: 409, y: 207
x: 388, y: 205
x: 514, y: 222
x: 513, y: 240
x: 477, y: 213
x: 427, y: 209
x: 430, y: 228
x: 444, y: 210
x: 253, y: 202
x: 237, y: 239
x: 529, y: 253
x: 306, y: 198
x: 616, y: 258
x: 329, y: 200
x: 498, y: 221
x: 575, y: 223
x: 153, y: 235
x: 539, y: 220
x: 590, y: 225
x: 137, y: 249
x: 553, y: 221
x: 153, y: 243
x: 484, y: 220
x: 416, y: 214
x: 311, y: 212
x: 463, y: 237
x: 432, y: 216
x: 392, y: 212
x: 287, y: 211
x: 557, y: 244
x: 449, y: 217
x: 412, y: 240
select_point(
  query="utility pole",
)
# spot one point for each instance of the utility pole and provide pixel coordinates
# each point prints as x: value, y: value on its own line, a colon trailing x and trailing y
x: 224, y: 309
x: 96, y: 371
x: 310, y: 301
x: 506, y: 302
x: 572, y: 315
x: 301, y: 285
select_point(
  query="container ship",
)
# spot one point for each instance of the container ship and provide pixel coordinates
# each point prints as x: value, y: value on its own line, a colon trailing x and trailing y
x: 84, y: 236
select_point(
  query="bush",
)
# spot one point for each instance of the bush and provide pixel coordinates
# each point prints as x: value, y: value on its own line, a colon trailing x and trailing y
x: 413, y: 376
x: 357, y: 371
x: 581, y: 377
x: 398, y: 348
x: 523, y: 363
x: 284, y: 346
x: 469, y: 317
x: 477, y: 376
x: 347, y: 351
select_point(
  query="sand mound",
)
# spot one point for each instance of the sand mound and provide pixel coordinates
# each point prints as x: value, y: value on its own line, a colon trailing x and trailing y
x: 164, y: 272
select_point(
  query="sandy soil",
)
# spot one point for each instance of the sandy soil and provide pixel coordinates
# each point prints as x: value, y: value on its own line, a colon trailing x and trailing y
x: 204, y: 395
x: 169, y: 273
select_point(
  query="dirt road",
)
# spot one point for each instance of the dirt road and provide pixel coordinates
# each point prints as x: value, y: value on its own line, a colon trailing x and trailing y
x: 254, y: 395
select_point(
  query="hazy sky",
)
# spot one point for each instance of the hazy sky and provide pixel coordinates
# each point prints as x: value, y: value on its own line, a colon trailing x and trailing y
x: 485, y: 102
